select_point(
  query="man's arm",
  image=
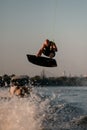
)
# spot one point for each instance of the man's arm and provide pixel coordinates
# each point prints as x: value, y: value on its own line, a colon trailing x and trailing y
x: 41, y: 50
x: 55, y: 47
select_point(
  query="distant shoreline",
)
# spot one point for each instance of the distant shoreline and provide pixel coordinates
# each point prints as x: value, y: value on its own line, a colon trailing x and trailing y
x: 41, y: 81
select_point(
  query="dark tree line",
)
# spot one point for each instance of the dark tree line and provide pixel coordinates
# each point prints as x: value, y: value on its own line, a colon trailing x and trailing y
x: 60, y: 81
x: 5, y: 80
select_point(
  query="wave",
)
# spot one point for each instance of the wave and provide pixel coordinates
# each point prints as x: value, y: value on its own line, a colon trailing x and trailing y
x: 40, y: 111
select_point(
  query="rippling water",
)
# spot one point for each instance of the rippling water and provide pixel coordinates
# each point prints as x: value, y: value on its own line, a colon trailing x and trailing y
x: 52, y: 108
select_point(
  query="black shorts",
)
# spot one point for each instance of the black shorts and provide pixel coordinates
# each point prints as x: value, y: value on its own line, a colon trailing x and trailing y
x: 47, y: 53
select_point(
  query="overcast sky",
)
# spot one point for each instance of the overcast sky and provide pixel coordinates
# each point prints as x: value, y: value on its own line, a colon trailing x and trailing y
x: 25, y: 24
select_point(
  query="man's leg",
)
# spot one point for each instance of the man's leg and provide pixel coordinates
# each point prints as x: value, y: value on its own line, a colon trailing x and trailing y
x: 51, y: 55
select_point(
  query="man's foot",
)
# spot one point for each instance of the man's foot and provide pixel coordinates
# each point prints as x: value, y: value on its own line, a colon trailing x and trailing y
x: 51, y: 55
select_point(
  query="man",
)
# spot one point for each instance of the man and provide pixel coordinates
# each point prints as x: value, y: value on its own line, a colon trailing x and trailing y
x: 19, y: 90
x: 19, y: 86
x: 48, y: 48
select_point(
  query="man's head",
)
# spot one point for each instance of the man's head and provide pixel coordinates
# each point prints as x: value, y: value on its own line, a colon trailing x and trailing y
x: 47, y: 40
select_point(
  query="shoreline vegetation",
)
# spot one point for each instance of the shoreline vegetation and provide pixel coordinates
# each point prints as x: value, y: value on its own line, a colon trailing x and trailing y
x: 41, y: 81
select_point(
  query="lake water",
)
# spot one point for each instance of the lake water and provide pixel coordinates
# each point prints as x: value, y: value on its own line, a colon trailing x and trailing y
x: 47, y: 108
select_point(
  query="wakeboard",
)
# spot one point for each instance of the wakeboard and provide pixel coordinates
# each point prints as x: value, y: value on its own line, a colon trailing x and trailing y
x: 42, y: 61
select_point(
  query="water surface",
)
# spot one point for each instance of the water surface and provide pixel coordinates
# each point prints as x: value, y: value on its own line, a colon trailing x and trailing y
x: 47, y: 108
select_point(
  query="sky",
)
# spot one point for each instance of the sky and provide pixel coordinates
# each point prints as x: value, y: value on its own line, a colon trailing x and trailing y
x: 24, y: 26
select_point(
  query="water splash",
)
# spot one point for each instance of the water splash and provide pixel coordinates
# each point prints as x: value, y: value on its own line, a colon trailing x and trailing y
x: 41, y: 111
